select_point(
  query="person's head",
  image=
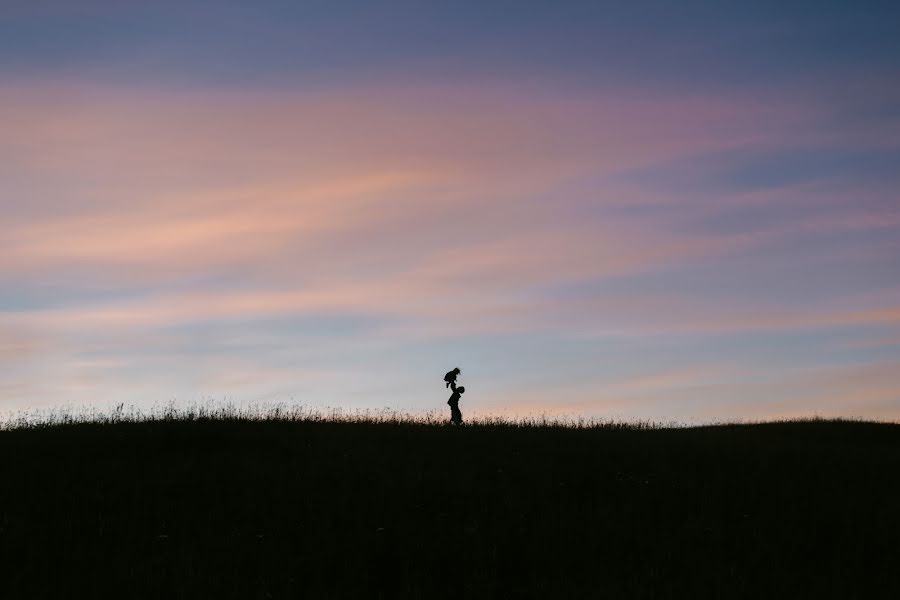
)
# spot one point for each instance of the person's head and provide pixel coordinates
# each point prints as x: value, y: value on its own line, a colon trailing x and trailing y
x: 461, y: 390
x: 457, y: 370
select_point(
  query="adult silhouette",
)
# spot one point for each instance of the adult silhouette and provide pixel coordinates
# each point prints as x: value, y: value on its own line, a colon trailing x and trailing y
x: 455, y: 414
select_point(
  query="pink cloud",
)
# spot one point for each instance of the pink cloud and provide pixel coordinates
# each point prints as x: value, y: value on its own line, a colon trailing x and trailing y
x: 160, y: 184
x: 447, y: 211
x: 382, y: 201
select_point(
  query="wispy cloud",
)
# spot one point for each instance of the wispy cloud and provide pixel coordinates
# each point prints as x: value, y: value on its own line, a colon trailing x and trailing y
x: 453, y: 219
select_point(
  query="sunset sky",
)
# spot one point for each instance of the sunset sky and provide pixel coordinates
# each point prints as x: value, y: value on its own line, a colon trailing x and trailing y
x: 630, y: 210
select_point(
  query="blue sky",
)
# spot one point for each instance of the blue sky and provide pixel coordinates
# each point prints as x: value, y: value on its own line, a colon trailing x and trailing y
x: 615, y: 209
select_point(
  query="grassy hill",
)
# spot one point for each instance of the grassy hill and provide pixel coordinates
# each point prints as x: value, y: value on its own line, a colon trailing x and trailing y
x: 279, y: 509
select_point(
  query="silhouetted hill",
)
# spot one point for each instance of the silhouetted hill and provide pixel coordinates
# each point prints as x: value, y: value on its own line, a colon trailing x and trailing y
x: 242, y: 509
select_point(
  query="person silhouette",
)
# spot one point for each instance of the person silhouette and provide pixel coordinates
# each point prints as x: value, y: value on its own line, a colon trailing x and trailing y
x: 455, y: 414
x: 450, y: 377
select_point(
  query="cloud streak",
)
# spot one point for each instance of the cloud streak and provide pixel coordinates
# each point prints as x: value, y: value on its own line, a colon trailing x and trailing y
x: 454, y: 221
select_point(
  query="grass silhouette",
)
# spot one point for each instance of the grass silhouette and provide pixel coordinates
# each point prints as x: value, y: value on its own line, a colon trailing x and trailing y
x: 225, y: 502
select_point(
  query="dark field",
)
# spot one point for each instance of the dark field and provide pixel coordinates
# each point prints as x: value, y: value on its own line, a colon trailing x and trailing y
x: 242, y: 509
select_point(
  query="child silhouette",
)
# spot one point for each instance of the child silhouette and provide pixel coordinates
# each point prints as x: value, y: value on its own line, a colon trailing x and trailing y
x: 450, y: 377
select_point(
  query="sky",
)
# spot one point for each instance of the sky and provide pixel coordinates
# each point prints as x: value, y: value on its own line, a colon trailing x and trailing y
x: 636, y: 210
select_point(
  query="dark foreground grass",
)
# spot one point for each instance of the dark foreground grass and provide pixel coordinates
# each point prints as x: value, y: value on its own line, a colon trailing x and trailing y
x: 290, y: 509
